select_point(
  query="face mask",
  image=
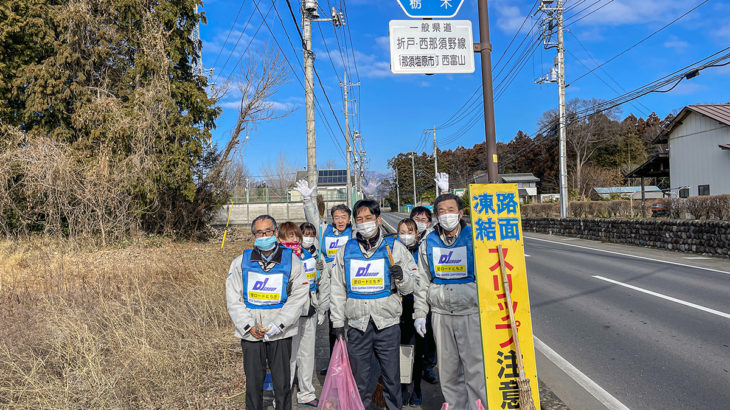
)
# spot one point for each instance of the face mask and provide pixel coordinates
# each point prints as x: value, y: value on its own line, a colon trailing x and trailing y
x: 449, y: 221
x: 421, y: 226
x: 265, y: 244
x: 407, y: 239
x: 367, y: 229
x: 308, y: 242
x: 292, y: 245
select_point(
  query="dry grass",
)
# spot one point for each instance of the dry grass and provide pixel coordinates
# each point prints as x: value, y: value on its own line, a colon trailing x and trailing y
x: 143, y: 325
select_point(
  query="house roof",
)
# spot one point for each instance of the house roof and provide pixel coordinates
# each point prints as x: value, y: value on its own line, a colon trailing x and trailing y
x: 718, y: 112
x: 481, y: 178
x: 327, y: 177
x: 656, y: 166
x: 626, y: 189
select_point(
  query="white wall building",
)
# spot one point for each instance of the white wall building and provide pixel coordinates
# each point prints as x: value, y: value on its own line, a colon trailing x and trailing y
x: 699, y: 149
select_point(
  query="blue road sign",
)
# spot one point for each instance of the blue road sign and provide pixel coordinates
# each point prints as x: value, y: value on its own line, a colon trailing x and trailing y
x: 430, y: 8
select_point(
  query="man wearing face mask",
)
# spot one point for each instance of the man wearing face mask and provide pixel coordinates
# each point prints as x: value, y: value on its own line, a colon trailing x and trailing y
x: 364, y: 293
x: 446, y: 284
x: 333, y: 238
x: 266, y: 289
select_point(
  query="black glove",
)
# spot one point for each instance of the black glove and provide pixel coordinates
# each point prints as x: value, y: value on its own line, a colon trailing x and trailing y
x: 339, y: 332
x: 396, y: 272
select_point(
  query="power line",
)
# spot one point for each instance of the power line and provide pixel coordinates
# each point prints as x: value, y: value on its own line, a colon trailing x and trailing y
x: 235, y: 20
x: 642, y: 40
x: 592, y: 11
x: 263, y: 20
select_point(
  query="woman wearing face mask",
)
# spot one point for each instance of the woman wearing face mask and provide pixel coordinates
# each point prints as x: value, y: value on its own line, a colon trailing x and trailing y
x: 407, y: 234
x: 302, y: 358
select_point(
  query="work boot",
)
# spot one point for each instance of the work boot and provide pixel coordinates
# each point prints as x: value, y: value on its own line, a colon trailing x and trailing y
x: 323, y: 372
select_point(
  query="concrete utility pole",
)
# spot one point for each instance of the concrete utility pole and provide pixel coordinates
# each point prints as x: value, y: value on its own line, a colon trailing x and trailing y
x: 435, y: 160
x: 310, y: 14
x: 397, y: 189
x: 346, y: 87
x: 413, y: 164
x: 557, y: 75
x: 484, y: 47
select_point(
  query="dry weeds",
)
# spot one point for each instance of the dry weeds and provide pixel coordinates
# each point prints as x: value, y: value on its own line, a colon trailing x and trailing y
x: 141, y: 325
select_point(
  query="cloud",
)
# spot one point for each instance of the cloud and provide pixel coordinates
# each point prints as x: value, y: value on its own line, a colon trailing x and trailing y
x: 676, y: 44
x: 275, y: 106
x: 509, y: 17
x: 368, y: 65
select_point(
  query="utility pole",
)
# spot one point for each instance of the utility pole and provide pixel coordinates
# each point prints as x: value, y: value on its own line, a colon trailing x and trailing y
x: 397, y: 189
x: 484, y: 47
x: 557, y: 74
x: 435, y: 160
x: 345, y: 87
x: 310, y: 14
x: 413, y: 164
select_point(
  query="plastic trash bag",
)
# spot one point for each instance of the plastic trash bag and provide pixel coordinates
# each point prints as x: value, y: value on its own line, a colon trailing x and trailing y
x: 339, y: 391
x: 445, y: 406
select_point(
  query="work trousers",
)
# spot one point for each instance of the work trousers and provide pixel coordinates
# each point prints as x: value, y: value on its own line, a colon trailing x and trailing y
x: 302, y: 358
x: 459, y: 355
x: 256, y: 355
x: 385, y: 344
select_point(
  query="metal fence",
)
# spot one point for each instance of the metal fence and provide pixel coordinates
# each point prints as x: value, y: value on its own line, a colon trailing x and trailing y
x: 265, y: 195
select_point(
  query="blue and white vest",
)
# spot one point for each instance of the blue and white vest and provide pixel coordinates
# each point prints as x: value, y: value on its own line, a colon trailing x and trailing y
x: 331, y: 243
x: 451, y: 264
x: 367, y: 278
x: 265, y: 290
x: 310, y: 269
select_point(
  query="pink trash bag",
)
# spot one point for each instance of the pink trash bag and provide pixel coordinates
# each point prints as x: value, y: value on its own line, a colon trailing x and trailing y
x: 340, y: 391
x: 478, y: 404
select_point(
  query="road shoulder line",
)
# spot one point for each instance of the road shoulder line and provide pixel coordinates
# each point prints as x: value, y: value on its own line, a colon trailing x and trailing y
x: 596, y: 391
x: 629, y: 255
x: 669, y: 298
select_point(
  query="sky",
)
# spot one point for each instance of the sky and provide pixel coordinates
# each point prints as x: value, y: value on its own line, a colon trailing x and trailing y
x: 394, y: 110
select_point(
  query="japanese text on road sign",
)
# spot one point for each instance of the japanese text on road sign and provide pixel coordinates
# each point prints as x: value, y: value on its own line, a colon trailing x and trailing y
x: 430, y: 8
x: 495, y: 216
x: 431, y: 47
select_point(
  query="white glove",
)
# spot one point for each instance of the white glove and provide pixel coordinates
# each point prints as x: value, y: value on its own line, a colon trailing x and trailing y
x: 442, y: 181
x: 371, y: 188
x: 320, y: 264
x: 420, y: 325
x: 321, y: 317
x: 302, y: 186
x: 272, y: 331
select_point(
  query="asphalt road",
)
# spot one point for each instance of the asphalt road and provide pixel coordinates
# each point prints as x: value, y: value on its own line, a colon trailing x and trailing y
x: 642, y: 328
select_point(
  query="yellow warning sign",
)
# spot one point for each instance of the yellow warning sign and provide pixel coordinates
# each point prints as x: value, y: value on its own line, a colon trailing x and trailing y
x: 495, y: 220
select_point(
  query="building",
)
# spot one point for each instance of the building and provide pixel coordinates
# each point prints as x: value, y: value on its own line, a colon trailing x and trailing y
x: 627, y: 192
x: 331, y: 184
x: 699, y: 150
x: 526, y: 183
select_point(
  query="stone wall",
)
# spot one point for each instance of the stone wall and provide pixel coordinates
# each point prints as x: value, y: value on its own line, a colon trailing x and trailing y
x: 706, y: 237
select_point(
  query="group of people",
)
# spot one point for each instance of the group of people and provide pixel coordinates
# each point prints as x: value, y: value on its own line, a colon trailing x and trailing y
x: 377, y: 290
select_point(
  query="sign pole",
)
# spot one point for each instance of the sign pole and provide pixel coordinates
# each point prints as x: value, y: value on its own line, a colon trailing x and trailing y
x: 485, y: 49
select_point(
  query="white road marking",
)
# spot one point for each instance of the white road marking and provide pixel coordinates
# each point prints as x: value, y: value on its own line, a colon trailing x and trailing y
x: 527, y: 256
x: 584, y: 381
x: 695, y: 257
x: 633, y: 256
x: 669, y: 298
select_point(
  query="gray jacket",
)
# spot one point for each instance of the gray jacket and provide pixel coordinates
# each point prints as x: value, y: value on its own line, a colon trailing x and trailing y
x: 452, y: 299
x: 385, y: 311
x: 244, y: 318
x: 323, y: 293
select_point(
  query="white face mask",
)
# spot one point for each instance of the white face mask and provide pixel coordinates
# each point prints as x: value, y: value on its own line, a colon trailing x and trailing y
x: 367, y: 229
x: 449, y: 221
x: 421, y: 226
x: 407, y: 239
x: 308, y: 242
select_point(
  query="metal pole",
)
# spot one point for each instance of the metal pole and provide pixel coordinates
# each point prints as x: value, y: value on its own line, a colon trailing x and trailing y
x: 485, y: 49
x: 563, y: 168
x: 435, y: 160
x: 413, y: 164
x: 309, y: 92
x: 348, y: 190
